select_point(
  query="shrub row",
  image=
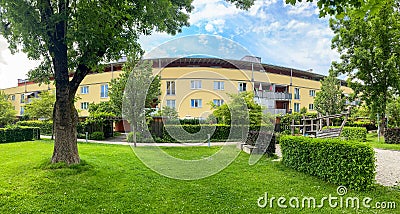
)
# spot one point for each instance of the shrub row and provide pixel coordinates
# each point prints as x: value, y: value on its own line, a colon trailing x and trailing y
x: 392, y: 136
x: 45, y: 126
x: 174, y: 133
x: 368, y: 125
x: 19, y: 133
x: 353, y: 133
x: 351, y: 164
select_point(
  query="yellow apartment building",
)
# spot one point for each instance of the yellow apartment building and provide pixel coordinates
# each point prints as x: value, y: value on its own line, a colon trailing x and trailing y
x: 190, y: 84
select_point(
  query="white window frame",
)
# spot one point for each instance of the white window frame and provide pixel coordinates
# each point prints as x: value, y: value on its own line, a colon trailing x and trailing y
x: 311, y: 106
x: 298, y: 94
x: 171, y: 103
x: 242, y: 86
x: 218, y: 102
x: 196, y: 103
x: 312, y: 93
x: 219, y: 85
x: 13, y: 97
x: 85, y: 89
x: 298, y: 109
x: 170, y: 87
x: 195, y: 84
x: 104, y: 94
x: 84, y: 105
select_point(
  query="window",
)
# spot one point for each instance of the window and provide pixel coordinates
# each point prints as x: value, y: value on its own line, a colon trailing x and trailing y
x: 104, y: 91
x: 171, y: 103
x: 297, y: 107
x: 195, y: 84
x: 21, y: 111
x: 296, y: 93
x: 85, y: 89
x: 170, y: 87
x: 218, y: 85
x: 312, y: 93
x: 12, y: 97
x: 195, y: 103
x: 242, y: 86
x: 311, y: 106
x: 22, y: 98
x: 84, y: 105
x: 218, y: 102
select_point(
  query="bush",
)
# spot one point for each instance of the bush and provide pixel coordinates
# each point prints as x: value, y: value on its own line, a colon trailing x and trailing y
x: 19, y: 133
x: 45, y: 126
x: 392, y: 136
x: 351, y: 164
x: 352, y: 133
x: 97, y: 136
x: 221, y: 132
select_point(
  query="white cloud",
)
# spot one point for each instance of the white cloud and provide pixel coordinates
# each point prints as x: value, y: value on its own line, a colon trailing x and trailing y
x: 13, y: 67
x: 305, y: 9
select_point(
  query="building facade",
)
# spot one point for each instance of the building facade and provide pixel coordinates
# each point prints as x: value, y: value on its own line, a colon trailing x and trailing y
x: 190, y: 85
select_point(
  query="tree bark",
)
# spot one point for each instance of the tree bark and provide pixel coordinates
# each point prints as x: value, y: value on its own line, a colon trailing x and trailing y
x: 66, y: 116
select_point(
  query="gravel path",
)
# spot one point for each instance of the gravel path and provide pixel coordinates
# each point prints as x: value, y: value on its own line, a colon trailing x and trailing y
x: 387, y: 166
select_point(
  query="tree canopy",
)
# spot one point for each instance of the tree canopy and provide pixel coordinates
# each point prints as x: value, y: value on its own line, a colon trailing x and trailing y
x: 369, y: 50
x: 73, y: 37
x: 7, y: 112
x: 330, y: 99
x: 41, y: 107
x: 338, y: 7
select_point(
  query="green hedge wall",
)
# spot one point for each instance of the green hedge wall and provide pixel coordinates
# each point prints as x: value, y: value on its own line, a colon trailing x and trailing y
x: 45, y: 126
x: 353, y: 133
x: 19, y: 133
x: 351, y: 164
x: 392, y: 136
x: 221, y: 132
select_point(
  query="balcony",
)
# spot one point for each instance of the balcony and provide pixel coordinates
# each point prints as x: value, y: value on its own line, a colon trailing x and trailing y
x: 276, y: 111
x: 269, y: 95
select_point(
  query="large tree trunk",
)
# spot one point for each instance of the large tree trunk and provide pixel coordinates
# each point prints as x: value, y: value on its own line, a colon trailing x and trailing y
x: 66, y: 120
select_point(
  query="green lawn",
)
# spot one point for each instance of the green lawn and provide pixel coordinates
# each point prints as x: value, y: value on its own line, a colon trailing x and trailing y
x: 372, y: 139
x: 112, y: 180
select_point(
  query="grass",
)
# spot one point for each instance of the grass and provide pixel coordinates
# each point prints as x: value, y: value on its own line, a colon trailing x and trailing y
x: 372, y: 139
x: 111, y: 179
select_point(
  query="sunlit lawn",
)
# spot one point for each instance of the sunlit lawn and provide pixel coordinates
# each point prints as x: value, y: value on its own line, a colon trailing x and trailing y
x: 372, y: 139
x: 113, y: 180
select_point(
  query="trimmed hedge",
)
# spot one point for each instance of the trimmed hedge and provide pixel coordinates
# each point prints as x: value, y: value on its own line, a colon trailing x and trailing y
x: 45, y: 126
x: 392, y: 136
x: 221, y: 132
x: 351, y: 164
x: 97, y: 136
x: 353, y: 133
x: 19, y: 133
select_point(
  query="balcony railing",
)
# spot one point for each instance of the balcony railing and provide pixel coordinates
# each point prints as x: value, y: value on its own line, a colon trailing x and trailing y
x: 276, y: 111
x: 272, y: 95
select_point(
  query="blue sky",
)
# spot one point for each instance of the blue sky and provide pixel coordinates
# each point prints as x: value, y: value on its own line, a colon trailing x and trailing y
x: 284, y: 35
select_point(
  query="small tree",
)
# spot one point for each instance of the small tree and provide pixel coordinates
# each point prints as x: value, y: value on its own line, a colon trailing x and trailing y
x: 235, y: 107
x: 168, y: 112
x: 7, y: 112
x: 329, y: 100
x: 136, y: 95
x: 41, y: 107
x: 118, y: 85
